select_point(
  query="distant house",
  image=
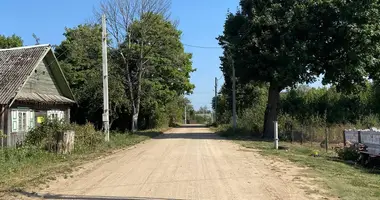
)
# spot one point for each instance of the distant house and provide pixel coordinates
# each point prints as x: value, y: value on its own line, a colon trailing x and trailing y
x: 32, y: 89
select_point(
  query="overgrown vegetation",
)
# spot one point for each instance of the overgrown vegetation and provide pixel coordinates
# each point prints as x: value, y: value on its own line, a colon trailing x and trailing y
x: 31, y: 163
x: 306, y: 113
x: 348, y: 153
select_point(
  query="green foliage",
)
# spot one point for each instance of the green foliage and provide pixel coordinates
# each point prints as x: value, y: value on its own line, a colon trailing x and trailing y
x: 348, y: 153
x: 2, y: 135
x: 86, y: 137
x: 47, y: 134
x: 285, y: 43
x: 80, y: 57
x: 306, y: 112
x: 252, y: 117
x: 304, y: 103
x: 10, y: 41
x: 150, y: 79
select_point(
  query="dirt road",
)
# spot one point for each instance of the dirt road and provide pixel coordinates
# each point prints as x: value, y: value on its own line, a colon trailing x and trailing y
x: 185, y: 163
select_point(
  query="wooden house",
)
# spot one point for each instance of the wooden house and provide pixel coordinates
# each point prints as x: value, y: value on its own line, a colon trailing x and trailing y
x: 32, y: 89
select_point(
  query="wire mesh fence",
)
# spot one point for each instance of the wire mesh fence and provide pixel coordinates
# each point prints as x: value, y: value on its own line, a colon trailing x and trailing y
x: 312, y: 134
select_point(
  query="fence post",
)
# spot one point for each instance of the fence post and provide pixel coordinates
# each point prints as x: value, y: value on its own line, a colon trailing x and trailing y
x: 344, y: 138
x: 291, y: 133
x: 275, y: 134
x: 311, y: 137
x: 326, y: 139
x: 302, y: 134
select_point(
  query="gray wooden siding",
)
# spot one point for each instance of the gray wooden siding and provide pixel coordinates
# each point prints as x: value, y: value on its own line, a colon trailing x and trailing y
x: 41, y: 81
x: 3, y: 125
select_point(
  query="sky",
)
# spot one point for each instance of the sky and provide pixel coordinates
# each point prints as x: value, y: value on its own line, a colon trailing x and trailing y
x: 201, y: 21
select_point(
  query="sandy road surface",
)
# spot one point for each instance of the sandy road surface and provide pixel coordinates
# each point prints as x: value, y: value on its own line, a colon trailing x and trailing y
x: 185, y: 163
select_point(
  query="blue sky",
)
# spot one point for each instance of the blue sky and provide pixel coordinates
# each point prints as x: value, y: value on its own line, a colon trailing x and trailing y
x: 200, y: 20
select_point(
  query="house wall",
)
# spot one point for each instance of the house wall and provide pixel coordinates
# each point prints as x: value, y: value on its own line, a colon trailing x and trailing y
x: 3, y: 125
x: 41, y: 81
x: 33, y: 110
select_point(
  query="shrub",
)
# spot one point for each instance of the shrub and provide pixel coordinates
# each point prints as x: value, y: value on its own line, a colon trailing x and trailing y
x: 252, y: 120
x: 368, y: 121
x: 86, y: 136
x: 348, y: 153
x: 47, y: 134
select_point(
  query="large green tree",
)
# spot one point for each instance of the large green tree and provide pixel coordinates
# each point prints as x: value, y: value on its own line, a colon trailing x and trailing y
x: 152, y: 58
x: 266, y: 41
x: 283, y: 43
x: 130, y: 25
x: 10, y: 41
x: 80, y: 56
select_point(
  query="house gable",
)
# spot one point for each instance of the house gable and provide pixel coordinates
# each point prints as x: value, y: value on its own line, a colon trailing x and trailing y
x: 46, y: 83
x: 59, y: 77
x: 41, y: 80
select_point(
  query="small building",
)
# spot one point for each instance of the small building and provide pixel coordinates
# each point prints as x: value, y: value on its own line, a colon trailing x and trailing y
x: 32, y: 89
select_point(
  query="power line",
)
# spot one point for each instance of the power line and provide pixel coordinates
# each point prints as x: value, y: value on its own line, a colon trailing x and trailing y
x: 201, y: 47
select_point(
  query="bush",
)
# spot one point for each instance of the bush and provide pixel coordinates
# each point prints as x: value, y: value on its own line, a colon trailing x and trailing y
x: 87, y: 137
x: 252, y: 120
x: 47, y: 134
x: 348, y: 153
x: 369, y: 121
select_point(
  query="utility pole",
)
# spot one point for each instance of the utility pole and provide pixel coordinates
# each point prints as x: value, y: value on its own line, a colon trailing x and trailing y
x: 105, y: 80
x: 233, y: 95
x: 216, y: 99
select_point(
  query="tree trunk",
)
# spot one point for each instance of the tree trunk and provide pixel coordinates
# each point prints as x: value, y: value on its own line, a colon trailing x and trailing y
x: 136, y: 105
x: 135, y: 118
x: 271, y: 111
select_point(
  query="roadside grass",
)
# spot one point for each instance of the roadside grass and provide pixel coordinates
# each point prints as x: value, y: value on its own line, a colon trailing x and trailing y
x: 30, y: 166
x: 343, y: 180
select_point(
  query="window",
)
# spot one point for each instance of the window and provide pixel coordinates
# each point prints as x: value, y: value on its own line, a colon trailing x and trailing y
x: 56, y: 114
x: 22, y: 121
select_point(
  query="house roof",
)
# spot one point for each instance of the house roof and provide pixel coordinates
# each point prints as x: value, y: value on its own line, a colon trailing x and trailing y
x: 17, y: 64
x: 43, y: 98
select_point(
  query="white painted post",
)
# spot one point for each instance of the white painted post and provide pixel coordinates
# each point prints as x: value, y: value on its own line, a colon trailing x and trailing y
x: 275, y: 134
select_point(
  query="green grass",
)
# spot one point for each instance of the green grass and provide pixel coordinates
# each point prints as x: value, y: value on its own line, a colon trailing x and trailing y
x: 30, y: 166
x: 342, y: 180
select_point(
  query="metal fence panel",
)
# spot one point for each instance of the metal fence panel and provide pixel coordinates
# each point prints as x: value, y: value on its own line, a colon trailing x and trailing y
x: 371, y: 139
x: 351, y: 136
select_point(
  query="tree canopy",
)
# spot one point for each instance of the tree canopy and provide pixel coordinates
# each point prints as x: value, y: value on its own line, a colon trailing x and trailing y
x: 284, y: 43
x: 149, y: 71
x: 10, y: 41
